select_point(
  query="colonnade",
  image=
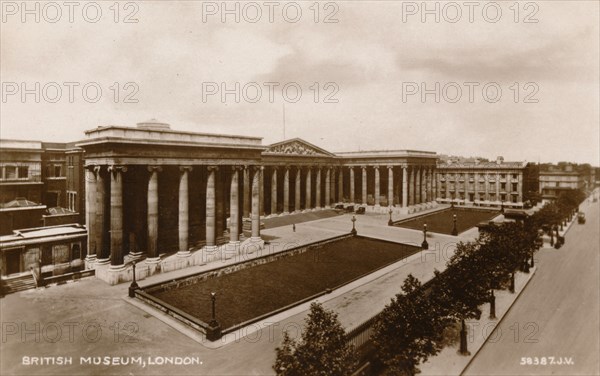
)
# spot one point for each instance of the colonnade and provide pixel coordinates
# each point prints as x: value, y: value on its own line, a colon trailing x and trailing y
x: 106, y: 235
x: 243, y: 194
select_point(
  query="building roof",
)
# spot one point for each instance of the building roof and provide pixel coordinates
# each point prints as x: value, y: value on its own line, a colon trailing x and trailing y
x: 59, y: 210
x: 43, y: 234
x: 484, y: 165
x: 19, y: 202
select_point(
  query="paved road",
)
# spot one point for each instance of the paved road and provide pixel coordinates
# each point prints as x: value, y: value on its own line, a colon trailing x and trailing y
x: 557, y: 315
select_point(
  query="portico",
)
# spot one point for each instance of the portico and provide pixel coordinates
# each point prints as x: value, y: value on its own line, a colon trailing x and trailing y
x: 156, y: 192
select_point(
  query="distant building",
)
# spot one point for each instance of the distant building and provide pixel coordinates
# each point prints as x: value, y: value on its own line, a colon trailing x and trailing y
x: 557, y: 178
x: 40, y: 184
x: 472, y: 181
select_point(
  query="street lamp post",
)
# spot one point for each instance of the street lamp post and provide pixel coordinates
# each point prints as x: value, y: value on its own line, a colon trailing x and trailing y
x: 425, y: 245
x: 454, y: 229
x: 213, y: 332
x: 502, y: 206
x: 492, y: 306
x: 390, y: 223
x: 134, y: 286
x: 353, y: 232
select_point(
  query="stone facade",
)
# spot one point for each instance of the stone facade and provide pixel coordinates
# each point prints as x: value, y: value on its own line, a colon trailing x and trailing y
x: 178, y: 199
x: 477, y: 183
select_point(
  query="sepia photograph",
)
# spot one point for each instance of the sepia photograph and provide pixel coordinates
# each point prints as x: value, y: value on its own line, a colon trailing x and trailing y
x: 300, y: 188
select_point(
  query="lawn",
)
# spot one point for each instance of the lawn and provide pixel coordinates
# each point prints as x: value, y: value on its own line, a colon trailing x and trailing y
x: 441, y: 221
x: 257, y: 290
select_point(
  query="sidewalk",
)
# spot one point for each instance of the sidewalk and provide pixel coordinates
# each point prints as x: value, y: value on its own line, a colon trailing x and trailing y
x: 449, y: 362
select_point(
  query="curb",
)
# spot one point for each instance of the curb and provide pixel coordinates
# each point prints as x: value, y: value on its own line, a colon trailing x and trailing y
x: 499, y: 322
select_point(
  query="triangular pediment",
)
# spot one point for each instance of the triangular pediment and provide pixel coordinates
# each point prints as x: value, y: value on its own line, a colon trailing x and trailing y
x: 299, y: 147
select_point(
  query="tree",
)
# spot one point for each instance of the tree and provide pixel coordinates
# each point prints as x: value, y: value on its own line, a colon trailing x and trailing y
x: 464, y: 285
x: 323, y: 350
x: 409, y: 330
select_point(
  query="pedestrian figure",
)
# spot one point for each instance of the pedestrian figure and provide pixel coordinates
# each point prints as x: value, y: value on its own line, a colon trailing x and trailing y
x: 294, y: 227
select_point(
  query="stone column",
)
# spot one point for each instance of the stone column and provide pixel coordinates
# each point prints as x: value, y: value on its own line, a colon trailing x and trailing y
x: 234, y: 211
x: 286, y: 190
x: 261, y: 190
x: 418, y: 186
x: 246, y: 192
x: 411, y: 185
x: 102, y: 251
x: 184, y: 212
x: 340, y: 185
x: 256, y: 178
x: 211, y: 209
x: 364, y: 185
x: 152, y: 214
x: 423, y: 182
x: 327, y: 187
x: 274, y: 191
x: 90, y: 213
x: 426, y: 185
x: 318, y: 189
x: 429, y: 185
x: 404, y: 186
x: 297, y: 194
x: 390, y: 185
x: 116, y: 216
x: 308, y: 189
x: 352, y: 184
x: 424, y: 173
x: 377, y: 185
x: 435, y: 185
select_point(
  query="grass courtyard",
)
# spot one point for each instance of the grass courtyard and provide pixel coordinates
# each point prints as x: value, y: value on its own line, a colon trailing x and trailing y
x: 257, y: 290
x: 442, y: 221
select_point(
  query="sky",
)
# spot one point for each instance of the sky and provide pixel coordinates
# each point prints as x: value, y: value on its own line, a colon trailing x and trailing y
x: 513, y: 79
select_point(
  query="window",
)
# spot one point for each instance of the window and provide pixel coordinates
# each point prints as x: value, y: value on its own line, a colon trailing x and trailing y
x: 503, y: 197
x: 503, y: 186
x: 57, y: 171
x: 502, y: 176
x: 514, y: 187
x: 23, y: 172
x: 72, y: 204
x: 515, y: 176
x: 10, y: 172
x: 76, y: 251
